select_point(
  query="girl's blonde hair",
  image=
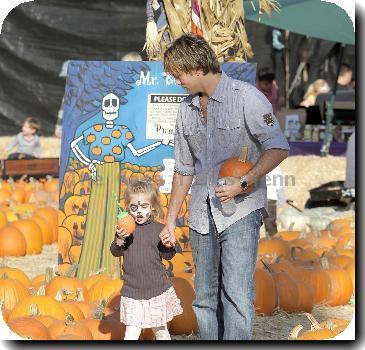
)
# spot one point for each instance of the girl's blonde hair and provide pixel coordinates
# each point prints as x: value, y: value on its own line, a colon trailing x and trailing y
x: 313, y: 89
x: 149, y: 188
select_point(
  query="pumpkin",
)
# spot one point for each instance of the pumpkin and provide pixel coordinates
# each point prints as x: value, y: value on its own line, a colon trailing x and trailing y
x: 236, y: 166
x: 69, y: 337
x: 104, y: 289
x: 341, y: 284
x: 316, y: 334
x: 11, y: 291
x: 30, y: 328
x: 12, y: 242
x: 15, y: 274
x: 60, y: 328
x: 51, y: 216
x: 32, y: 234
x: 65, y: 287
x: 46, y: 230
x: 318, y: 279
x: 265, y: 292
x: 184, y: 323
x: 93, y: 278
x: 87, y: 308
x: 287, y: 290
x: 46, y: 306
x: 350, y: 268
x: 46, y: 320
x: 275, y: 246
x: 76, y: 225
x: 125, y: 221
x: 72, y: 309
x: 4, y: 195
x: 306, y: 297
x: 3, y: 219
x: 51, y: 184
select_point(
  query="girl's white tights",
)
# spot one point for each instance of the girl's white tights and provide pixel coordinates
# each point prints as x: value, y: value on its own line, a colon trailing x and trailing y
x: 133, y: 333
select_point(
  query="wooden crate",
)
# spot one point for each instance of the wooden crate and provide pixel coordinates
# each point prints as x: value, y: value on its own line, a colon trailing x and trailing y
x: 31, y: 167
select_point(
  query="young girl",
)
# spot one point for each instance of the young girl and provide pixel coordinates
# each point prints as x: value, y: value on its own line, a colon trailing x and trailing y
x: 26, y: 142
x: 148, y: 299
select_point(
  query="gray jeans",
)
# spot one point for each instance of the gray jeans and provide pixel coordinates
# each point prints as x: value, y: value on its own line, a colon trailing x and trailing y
x: 224, y: 285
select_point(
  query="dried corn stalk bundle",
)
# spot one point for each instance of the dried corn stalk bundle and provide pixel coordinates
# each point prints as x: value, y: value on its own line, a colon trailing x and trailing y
x: 223, y: 26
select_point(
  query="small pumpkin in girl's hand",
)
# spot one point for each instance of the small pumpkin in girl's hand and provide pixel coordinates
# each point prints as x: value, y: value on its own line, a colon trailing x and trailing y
x: 126, y: 221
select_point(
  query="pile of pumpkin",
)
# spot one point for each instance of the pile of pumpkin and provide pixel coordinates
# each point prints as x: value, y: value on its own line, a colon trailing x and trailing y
x: 63, y: 307
x: 28, y: 218
x: 296, y: 270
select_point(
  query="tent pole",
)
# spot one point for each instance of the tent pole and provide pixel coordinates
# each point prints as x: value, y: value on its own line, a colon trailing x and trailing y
x: 329, y: 110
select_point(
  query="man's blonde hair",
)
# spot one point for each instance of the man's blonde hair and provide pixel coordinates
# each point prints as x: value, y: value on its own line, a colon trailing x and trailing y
x: 149, y: 188
x: 190, y: 53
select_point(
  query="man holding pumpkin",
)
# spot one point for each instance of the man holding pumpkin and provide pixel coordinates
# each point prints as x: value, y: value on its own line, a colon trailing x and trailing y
x: 218, y: 118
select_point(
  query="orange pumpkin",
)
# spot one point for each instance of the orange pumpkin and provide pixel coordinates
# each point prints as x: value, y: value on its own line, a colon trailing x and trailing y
x: 3, y: 219
x: 46, y: 229
x: 30, y: 328
x: 71, y: 285
x: 73, y: 309
x: 126, y: 221
x: 236, y: 166
x: 15, y: 274
x: 74, y: 254
x: 11, y: 291
x: 12, y: 242
x: 46, y: 306
x: 266, y: 296
x: 32, y: 235
x: 104, y: 289
x: 51, y: 216
x: 68, y: 327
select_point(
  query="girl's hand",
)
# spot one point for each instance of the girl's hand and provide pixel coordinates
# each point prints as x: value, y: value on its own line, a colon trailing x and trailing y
x: 167, y: 236
x: 122, y: 233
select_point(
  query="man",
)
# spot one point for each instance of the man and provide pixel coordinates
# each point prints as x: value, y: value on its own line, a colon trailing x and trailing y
x: 219, y: 116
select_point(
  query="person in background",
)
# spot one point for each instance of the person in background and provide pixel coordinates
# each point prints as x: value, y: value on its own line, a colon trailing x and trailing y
x: 345, y: 78
x: 26, y: 142
x: 267, y: 85
x: 319, y: 86
x: 131, y: 56
x: 275, y: 196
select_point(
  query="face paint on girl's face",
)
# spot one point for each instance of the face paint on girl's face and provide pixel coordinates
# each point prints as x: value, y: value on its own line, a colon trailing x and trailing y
x: 140, y: 208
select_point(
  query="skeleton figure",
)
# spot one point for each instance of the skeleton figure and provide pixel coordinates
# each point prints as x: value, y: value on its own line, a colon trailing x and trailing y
x: 106, y: 145
x: 109, y: 131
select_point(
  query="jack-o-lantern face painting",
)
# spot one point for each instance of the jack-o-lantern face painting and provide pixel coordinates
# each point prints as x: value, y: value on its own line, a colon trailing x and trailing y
x: 140, y: 207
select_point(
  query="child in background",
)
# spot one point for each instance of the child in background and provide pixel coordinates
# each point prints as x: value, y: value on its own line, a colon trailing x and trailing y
x: 26, y: 142
x: 148, y: 299
x: 267, y: 85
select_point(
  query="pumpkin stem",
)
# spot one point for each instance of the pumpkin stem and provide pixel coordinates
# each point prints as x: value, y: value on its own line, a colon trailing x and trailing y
x: 59, y: 295
x: 41, y: 290
x: 325, y: 263
x: 71, y: 271
x: 79, y: 295
x: 49, y: 275
x: 267, y: 266
x: 69, y: 320
x: 4, y: 276
x: 291, y: 226
x: 34, y: 310
x: 243, y: 155
x: 99, y: 311
x: 313, y: 322
x: 293, y: 335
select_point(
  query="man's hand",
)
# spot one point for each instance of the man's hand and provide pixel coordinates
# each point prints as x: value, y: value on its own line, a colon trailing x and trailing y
x: 226, y: 192
x: 167, y: 236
